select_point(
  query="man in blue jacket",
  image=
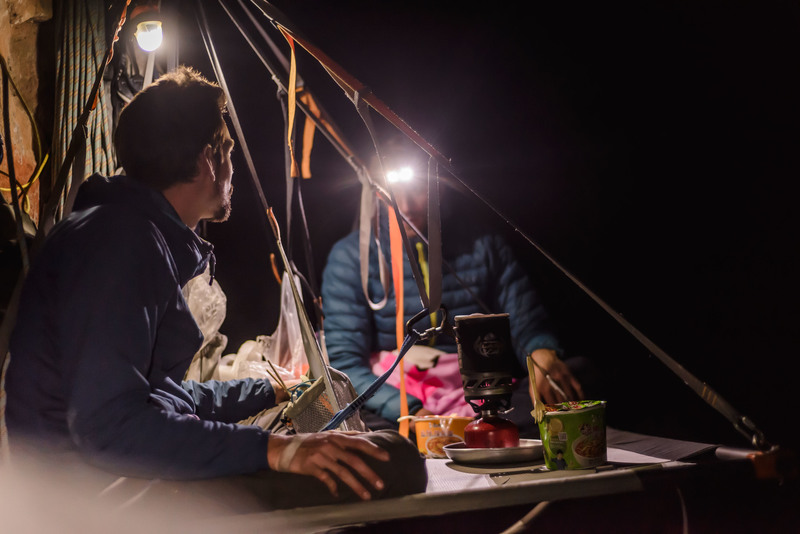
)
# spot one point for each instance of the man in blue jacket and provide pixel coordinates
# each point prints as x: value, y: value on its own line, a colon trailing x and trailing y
x: 482, y: 276
x: 104, y: 335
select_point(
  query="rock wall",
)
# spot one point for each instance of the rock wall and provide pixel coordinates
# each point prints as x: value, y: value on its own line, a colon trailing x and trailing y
x: 19, y: 32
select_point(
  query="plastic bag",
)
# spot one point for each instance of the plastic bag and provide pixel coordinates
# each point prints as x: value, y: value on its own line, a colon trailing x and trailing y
x: 208, y: 304
x: 281, y: 353
x: 284, y: 348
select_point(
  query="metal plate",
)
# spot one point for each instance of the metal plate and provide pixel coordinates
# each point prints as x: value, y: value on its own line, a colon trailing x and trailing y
x: 529, y: 450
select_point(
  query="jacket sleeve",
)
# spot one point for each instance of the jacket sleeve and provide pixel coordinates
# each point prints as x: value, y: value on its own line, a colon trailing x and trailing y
x: 230, y: 401
x: 530, y: 324
x: 113, y: 294
x: 350, y: 327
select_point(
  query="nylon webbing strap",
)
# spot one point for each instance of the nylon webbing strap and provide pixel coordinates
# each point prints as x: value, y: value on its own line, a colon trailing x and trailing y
x: 397, y: 277
x: 308, y: 143
x: 310, y: 107
x: 424, y: 266
x: 434, y: 239
x: 292, y: 103
x: 315, y: 117
x: 288, y: 167
x: 309, y: 128
x: 364, y: 239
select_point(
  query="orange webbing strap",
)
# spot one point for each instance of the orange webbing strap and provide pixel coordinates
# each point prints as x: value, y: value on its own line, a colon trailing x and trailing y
x: 352, y: 85
x: 308, y: 99
x: 292, y: 103
x: 396, y: 247
x: 309, y: 128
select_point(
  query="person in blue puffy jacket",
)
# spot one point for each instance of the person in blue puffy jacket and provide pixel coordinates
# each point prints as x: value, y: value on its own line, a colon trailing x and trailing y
x: 481, y: 275
x: 104, y: 336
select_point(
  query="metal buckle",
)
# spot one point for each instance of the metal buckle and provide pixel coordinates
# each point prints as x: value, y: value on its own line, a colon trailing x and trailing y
x: 443, y: 328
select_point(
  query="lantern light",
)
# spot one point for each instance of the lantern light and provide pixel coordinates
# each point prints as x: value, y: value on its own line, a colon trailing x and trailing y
x: 149, y: 35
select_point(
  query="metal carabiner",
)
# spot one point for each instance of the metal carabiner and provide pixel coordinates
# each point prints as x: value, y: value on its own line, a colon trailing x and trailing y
x: 444, y: 326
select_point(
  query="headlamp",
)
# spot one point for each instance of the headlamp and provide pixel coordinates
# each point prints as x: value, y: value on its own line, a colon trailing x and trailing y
x: 402, y: 175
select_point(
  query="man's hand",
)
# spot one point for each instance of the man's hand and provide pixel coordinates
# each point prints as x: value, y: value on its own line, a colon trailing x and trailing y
x: 547, y: 360
x: 328, y: 456
x: 281, y: 394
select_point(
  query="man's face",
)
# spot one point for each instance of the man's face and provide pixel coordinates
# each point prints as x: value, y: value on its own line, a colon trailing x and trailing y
x: 223, y: 183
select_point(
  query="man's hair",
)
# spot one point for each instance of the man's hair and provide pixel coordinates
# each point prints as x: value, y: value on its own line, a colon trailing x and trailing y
x: 164, y: 128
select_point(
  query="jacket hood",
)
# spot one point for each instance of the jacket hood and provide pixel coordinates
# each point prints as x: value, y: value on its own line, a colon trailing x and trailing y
x: 191, y: 253
x: 100, y: 190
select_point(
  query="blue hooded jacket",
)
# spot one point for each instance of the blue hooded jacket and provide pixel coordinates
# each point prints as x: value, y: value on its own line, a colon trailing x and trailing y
x: 103, y: 339
x: 487, y: 268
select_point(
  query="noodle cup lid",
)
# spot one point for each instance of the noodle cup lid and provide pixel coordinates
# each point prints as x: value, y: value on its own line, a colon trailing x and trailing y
x: 453, y: 417
x: 454, y: 422
x: 573, y: 406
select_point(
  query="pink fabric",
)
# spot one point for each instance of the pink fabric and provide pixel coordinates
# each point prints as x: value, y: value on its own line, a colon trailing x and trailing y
x: 439, y: 388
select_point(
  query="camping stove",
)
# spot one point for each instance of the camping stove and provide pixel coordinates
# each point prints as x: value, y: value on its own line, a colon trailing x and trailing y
x: 486, y: 361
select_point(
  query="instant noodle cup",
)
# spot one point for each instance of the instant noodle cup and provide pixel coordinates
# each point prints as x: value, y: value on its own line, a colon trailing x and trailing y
x: 433, y: 432
x: 574, y: 435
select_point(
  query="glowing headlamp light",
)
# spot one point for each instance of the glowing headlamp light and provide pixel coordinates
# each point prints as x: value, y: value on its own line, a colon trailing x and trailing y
x: 402, y: 175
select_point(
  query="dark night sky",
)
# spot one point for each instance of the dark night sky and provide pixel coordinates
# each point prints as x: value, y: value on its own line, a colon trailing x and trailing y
x: 651, y: 149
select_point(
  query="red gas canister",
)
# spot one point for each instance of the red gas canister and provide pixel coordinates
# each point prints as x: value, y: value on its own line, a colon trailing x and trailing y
x: 491, y: 431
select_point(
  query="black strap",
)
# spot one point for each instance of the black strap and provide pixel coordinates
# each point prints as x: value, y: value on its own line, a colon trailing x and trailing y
x: 312, y: 276
x: 434, y: 238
